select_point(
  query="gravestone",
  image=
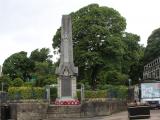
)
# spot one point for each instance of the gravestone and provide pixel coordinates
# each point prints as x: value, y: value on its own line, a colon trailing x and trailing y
x: 66, y: 71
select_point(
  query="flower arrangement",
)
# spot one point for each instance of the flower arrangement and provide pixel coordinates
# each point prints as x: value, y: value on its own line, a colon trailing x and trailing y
x: 67, y: 102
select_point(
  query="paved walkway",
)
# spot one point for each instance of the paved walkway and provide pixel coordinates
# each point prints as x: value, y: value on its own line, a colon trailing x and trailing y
x: 155, y: 115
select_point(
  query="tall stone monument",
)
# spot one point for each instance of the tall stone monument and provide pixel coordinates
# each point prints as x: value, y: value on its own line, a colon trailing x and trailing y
x: 66, y: 71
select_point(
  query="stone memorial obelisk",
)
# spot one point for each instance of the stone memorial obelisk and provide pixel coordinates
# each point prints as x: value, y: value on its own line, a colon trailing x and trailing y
x: 66, y: 71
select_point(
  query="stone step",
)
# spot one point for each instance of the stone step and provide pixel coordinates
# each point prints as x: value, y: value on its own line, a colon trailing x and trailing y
x: 71, y: 115
x: 63, y: 109
x: 63, y: 112
x: 63, y: 119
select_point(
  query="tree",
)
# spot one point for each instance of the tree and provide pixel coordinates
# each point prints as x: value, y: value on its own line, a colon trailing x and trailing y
x: 132, y: 63
x: 39, y: 65
x: 44, y: 70
x: 44, y: 73
x: 6, y: 81
x: 18, y: 65
x: 152, y: 50
x: 18, y: 82
x: 41, y: 55
x: 99, y: 44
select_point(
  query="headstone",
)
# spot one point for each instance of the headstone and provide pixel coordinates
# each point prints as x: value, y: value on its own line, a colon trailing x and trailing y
x: 66, y: 71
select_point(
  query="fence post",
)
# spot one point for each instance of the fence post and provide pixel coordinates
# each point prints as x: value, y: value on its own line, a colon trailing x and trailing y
x: 82, y: 93
x: 47, y: 88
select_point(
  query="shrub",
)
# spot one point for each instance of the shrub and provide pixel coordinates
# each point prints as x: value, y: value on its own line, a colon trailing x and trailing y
x: 26, y: 92
x: 28, y: 84
x: 79, y: 95
x: 6, y: 82
x: 17, y: 82
x: 53, y: 93
x: 117, y: 91
x: 96, y: 94
x: 109, y: 91
x: 93, y: 94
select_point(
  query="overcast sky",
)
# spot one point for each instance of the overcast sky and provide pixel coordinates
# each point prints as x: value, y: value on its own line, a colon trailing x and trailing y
x: 26, y: 25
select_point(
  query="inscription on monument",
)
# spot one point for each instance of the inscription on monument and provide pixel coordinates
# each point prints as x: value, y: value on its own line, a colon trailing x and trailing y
x: 66, y: 86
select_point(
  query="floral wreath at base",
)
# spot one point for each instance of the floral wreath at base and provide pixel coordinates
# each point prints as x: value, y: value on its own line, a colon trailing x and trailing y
x: 67, y: 102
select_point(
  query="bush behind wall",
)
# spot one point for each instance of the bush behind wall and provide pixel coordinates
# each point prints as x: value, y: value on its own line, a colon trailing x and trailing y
x: 26, y: 93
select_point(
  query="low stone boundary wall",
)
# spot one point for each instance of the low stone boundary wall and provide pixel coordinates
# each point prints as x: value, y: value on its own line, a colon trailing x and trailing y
x: 42, y: 111
x: 102, y: 108
x: 28, y: 111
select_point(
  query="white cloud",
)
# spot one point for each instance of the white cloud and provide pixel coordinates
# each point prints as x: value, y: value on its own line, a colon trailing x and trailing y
x: 30, y: 24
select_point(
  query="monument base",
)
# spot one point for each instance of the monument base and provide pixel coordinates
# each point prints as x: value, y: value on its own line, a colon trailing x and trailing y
x: 67, y: 101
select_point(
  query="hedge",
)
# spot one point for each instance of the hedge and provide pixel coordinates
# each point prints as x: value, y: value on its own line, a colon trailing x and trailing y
x: 39, y: 93
x: 95, y: 94
x: 119, y: 92
x: 26, y: 93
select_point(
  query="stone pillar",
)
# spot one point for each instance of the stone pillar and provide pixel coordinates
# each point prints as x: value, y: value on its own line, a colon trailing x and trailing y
x: 66, y: 71
x: 48, y: 93
x: 74, y: 87
x: 59, y: 87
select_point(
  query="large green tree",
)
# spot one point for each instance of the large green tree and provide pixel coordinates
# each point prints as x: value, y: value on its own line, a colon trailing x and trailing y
x: 18, y: 65
x: 44, y: 73
x: 132, y: 57
x: 41, y: 55
x: 101, y: 47
x: 38, y: 67
x: 44, y: 69
x: 152, y: 50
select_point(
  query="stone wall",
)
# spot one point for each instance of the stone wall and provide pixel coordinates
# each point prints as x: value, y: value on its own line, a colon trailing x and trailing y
x: 87, y: 109
x: 42, y: 111
x: 102, y: 108
x: 28, y: 111
x: 3, y: 99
